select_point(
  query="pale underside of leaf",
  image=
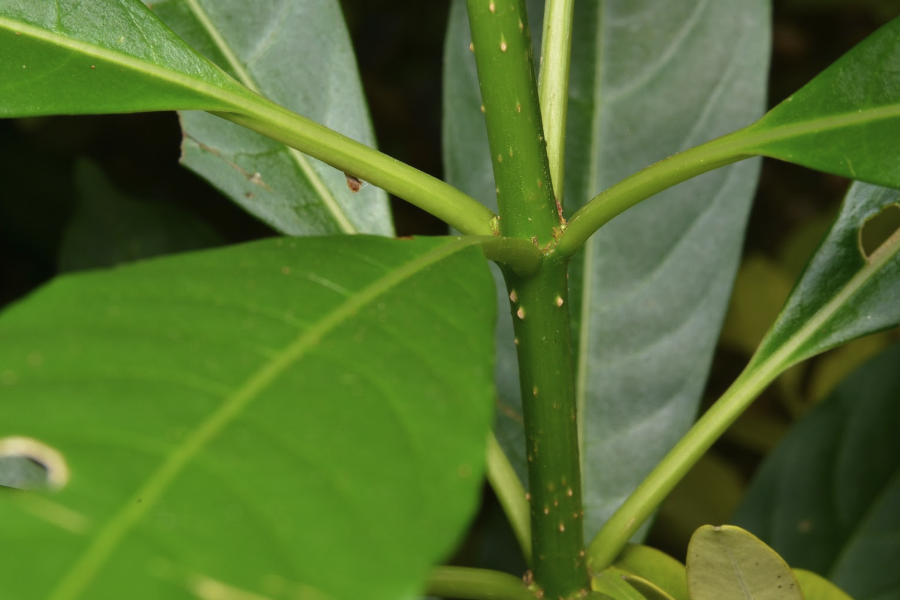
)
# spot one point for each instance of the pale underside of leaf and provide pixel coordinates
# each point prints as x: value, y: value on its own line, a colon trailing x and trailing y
x: 296, y: 188
x: 652, y: 285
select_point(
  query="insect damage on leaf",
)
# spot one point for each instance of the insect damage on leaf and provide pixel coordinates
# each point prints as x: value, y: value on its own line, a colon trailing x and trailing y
x: 880, y: 230
x: 55, y: 470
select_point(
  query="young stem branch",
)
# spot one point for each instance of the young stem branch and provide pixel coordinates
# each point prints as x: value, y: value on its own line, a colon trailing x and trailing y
x: 475, y: 584
x: 521, y: 256
x: 511, y: 494
x: 428, y: 193
x: 647, y: 182
x: 554, y: 84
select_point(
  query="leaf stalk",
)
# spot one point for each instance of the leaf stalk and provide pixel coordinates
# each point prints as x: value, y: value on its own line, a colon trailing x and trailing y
x: 556, y: 59
x: 444, y: 201
x: 645, y: 183
x: 475, y: 584
x: 511, y: 494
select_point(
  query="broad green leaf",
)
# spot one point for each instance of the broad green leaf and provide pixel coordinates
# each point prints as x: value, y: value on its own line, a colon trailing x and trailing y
x: 649, y: 291
x: 110, y: 228
x: 818, y: 588
x: 104, y: 56
x: 298, y: 54
x: 283, y: 419
x: 844, y: 293
x: 656, y: 567
x: 828, y: 498
x: 846, y: 120
x: 728, y: 563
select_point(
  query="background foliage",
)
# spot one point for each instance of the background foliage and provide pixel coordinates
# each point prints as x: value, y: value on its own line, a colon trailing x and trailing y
x: 399, y: 47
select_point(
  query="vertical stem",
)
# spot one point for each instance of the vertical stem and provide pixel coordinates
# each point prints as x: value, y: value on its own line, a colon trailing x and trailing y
x: 528, y: 210
x: 501, y: 41
x: 546, y: 368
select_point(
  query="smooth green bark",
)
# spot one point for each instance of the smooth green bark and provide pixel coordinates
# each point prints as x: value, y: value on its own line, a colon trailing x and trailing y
x: 501, y: 41
x: 529, y: 210
x: 546, y: 376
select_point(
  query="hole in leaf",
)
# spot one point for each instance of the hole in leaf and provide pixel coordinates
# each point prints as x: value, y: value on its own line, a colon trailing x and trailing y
x: 879, y: 229
x: 28, y: 464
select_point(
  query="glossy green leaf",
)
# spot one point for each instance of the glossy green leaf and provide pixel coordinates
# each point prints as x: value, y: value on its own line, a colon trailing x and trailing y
x: 110, y: 228
x: 828, y: 498
x: 104, y: 56
x: 656, y: 567
x: 728, y: 563
x: 299, y: 55
x: 652, y: 286
x: 846, y: 120
x: 818, y: 588
x: 844, y: 293
x: 283, y: 419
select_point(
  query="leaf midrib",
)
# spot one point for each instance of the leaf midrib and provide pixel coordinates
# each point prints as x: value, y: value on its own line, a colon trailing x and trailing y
x: 787, y: 354
x: 107, y: 539
x: 226, y: 97
x: 784, y: 131
x: 298, y: 157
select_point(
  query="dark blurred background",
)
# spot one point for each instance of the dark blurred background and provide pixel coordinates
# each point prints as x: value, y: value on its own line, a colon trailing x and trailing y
x: 399, y: 45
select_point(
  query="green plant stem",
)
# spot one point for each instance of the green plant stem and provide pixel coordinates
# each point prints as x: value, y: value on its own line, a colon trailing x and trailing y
x: 647, y: 182
x: 475, y: 584
x: 556, y: 54
x: 546, y: 377
x: 511, y: 494
x: 529, y: 211
x: 501, y: 41
x: 521, y: 256
x: 617, y: 531
x: 455, y: 208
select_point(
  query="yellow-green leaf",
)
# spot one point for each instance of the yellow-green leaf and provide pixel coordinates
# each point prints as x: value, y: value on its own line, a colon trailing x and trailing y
x: 728, y: 563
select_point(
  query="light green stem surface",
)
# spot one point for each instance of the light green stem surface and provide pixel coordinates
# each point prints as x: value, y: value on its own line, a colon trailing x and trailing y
x: 521, y: 256
x: 455, y: 208
x: 546, y: 376
x: 647, y: 182
x: 476, y: 584
x: 511, y: 494
x: 556, y: 55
